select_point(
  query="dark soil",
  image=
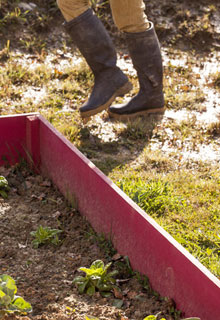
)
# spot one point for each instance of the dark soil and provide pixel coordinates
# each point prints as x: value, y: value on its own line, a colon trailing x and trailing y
x: 44, y: 276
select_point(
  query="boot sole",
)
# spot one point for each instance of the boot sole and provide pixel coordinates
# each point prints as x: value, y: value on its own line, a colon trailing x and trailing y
x: 118, y: 93
x: 136, y: 114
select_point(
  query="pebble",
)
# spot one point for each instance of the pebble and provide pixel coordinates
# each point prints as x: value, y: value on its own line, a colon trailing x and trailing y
x: 27, y: 6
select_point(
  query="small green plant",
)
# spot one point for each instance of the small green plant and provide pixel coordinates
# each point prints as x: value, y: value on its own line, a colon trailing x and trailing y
x: 97, y: 279
x: 9, y: 302
x: 45, y: 235
x: 4, y: 187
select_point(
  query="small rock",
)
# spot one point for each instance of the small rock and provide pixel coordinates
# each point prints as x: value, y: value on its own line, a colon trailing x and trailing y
x: 27, y: 6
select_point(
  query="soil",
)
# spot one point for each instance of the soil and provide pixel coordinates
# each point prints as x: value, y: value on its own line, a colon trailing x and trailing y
x: 44, y: 276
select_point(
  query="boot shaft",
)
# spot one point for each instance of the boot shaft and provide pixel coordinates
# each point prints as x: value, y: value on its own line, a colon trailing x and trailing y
x: 144, y: 49
x: 93, y: 41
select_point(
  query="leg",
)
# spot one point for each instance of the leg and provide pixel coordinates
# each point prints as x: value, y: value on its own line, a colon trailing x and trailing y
x: 129, y: 15
x: 145, y: 53
x: 93, y: 41
x: 72, y: 8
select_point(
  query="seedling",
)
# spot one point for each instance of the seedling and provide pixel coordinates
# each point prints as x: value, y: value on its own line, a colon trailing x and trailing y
x: 45, y: 235
x: 9, y: 302
x: 4, y: 187
x: 96, y: 279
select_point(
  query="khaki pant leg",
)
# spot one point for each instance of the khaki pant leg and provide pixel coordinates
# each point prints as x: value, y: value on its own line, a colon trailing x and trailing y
x: 72, y: 8
x: 129, y: 15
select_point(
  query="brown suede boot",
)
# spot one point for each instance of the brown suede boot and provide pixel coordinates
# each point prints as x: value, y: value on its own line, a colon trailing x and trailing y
x: 146, y: 57
x: 94, y: 43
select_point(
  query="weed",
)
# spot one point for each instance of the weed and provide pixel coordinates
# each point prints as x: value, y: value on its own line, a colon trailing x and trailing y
x: 44, y: 235
x: 4, y: 187
x: 34, y: 44
x: 13, y: 17
x: 40, y: 22
x: 9, y: 302
x: 97, y: 279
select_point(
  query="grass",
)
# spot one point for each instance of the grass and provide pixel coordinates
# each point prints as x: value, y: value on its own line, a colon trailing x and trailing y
x: 145, y: 157
x: 184, y: 203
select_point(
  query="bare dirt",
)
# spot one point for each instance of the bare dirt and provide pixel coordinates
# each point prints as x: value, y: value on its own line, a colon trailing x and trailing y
x: 44, y: 275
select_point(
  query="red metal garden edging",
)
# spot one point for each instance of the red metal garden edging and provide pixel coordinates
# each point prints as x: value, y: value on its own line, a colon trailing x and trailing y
x: 172, y: 271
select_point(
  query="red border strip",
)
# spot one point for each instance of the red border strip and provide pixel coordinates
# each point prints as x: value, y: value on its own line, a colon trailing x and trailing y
x: 172, y: 271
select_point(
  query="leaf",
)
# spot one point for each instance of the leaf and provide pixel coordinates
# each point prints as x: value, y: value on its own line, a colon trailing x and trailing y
x: 117, y: 293
x: 2, y: 294
x: 20, y: 304
x: 150, y: 318
x: 112, y: 274
x: 4, y: 187
x: 79, y: 279
x: 4, y: 183
x: 3, y: 194
x: 8, y: 286
x: 107, y: 266
x: 103, y: 286
x: 106, y: 294
x: 97, y: 264
x: 95, y: 277
x: 82, y: 287
x: 91, y: 272
x: 91, y: 290
x: 5, y: 277
x: 118, y: 303
x: 5, y: 300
